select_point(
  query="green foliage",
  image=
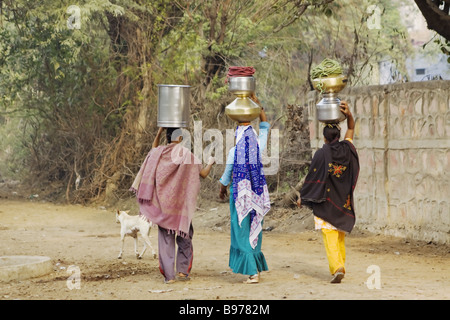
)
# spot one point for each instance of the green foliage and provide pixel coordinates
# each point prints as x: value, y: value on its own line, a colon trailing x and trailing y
x: 85, y: 98
x: 444, y: 46
x: 12, y: 154
x: 56, y: 79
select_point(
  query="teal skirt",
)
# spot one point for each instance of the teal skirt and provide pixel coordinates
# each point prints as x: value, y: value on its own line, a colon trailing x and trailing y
x: 243, y: 258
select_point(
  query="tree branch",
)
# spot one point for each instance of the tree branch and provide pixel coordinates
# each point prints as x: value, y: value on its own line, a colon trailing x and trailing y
x: 437, y: 19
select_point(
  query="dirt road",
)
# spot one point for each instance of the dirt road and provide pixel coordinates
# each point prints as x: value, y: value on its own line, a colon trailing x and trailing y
x: 88, y: 238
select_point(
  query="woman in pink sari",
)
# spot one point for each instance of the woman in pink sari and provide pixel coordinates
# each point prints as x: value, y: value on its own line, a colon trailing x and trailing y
x: 167, y: 186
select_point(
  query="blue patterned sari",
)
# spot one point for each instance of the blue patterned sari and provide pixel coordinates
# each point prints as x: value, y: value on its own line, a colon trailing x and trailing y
x: 248, y: 205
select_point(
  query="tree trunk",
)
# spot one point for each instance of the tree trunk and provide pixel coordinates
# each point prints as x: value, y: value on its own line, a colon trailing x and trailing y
x: 438, y: 20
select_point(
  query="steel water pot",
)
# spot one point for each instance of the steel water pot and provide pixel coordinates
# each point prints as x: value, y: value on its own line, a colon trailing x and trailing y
x: 242, y: 86
x: 329, y: 110
x: 173, y: 105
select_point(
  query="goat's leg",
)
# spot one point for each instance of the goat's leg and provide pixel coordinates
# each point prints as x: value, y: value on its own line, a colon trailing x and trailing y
x: 147, y: 243
x: 143, y: 250
x: 135, y: 246
x: 122, y: 238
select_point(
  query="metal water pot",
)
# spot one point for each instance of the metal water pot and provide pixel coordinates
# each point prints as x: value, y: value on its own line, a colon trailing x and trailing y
x: 329, y: 110
x: 242, y: 85
x: 242, y: 109
x: 173, y: 105
x: 331, y: 84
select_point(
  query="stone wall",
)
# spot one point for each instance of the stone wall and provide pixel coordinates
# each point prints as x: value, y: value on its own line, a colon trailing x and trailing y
x: 402, y: 135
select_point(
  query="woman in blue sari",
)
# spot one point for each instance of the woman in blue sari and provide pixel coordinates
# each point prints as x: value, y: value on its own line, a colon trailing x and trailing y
x: 249, y: 198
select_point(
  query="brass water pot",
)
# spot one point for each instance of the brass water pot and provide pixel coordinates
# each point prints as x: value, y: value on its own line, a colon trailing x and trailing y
x: 242, y: 109
x: 330, y: 84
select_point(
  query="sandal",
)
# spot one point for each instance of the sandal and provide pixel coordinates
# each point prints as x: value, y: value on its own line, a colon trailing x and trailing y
x: 338, y: 276
x: 182, y: 277
x: 252, y: 279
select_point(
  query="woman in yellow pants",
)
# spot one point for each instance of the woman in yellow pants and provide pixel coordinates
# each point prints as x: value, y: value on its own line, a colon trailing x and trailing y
x: 334, y: 241
x: 328, y: 189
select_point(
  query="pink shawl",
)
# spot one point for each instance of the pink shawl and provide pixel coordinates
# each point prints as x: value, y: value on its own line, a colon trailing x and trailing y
x: 167, y: 186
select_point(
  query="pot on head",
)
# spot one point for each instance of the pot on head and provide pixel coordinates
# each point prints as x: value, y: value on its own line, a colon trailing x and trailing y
x: 242, y: 109
x: 334, y: 83
x: 173, y: 105
x: 328, y: 109
x: 242, y: 86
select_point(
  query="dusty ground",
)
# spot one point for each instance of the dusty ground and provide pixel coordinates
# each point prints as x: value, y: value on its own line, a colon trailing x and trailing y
x: 89, y: 239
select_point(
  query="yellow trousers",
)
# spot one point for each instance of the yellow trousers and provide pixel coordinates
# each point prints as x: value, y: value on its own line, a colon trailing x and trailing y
x: 334, y: 241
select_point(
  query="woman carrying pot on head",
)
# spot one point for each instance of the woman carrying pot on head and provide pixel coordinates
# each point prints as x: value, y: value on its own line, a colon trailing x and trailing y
x: 249, y: 198
x: 328, y: 189
x: 167, y: 186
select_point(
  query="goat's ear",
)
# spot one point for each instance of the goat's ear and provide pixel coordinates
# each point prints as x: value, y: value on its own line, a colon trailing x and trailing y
x: 118, y: 212
x: 127, y: 212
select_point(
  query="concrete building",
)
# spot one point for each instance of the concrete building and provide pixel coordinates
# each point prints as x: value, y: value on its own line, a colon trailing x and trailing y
x: 427, y: 62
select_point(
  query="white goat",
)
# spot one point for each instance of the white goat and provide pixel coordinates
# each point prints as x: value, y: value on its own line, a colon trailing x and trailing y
x: 130, y: 226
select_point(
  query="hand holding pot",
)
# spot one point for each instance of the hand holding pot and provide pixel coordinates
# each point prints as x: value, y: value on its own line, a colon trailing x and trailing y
x: 345, y: 109
x: 255, y: 99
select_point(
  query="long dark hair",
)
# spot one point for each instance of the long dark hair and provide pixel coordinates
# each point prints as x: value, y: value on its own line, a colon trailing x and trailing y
x: 169, y: 133
x: 332, y: 132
